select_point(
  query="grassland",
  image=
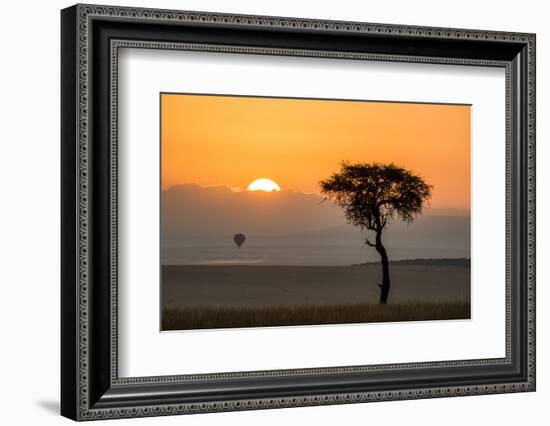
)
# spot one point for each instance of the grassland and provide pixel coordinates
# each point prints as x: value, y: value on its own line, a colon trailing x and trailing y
x: 181, y: 317
x: 198, y: 296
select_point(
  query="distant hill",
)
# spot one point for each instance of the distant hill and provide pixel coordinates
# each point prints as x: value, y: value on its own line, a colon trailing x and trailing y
x: 461, y: 262
x: 192, y: 209
x: 209, y: 216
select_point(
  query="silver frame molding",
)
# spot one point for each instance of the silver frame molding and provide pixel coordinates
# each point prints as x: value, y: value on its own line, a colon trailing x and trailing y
x: 91, y: 388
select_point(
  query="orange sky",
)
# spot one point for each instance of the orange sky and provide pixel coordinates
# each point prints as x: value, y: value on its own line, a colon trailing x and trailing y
x: 232, y: 141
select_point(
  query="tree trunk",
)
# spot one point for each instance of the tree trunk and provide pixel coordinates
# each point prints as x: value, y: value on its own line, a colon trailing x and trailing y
x: 385, y: 286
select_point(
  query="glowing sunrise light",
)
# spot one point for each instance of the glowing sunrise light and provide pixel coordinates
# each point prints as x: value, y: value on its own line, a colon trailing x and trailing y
x: 266, y: 185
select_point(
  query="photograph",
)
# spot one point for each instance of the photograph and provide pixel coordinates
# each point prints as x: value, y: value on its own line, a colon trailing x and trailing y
x: 299, y: 211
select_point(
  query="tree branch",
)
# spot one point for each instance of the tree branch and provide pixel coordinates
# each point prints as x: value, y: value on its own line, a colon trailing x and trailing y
x: 367, y: 242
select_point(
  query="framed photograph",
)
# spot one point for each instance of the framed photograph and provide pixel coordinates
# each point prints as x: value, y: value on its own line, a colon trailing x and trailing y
x: 263, y: 212
x: 301, y: 259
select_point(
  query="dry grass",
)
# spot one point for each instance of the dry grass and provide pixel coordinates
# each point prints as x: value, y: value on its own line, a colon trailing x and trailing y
x: 197, y: 317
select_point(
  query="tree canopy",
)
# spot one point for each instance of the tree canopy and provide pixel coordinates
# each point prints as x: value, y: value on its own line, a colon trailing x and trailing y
x: 372, y: 194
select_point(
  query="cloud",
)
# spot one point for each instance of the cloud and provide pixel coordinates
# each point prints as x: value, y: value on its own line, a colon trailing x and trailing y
x: 201, y: 221
x: 192, y: 209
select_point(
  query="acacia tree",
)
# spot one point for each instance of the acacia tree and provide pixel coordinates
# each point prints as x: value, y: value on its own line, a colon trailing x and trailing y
x: 372, y: 195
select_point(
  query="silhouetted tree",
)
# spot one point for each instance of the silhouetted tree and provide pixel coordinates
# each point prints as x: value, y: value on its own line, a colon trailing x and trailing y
x: 372, y: 195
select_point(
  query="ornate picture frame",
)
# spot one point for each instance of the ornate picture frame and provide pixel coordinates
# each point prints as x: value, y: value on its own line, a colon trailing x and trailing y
x: 91, y: 37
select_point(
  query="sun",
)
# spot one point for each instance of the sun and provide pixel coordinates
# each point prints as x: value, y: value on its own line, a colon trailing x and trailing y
x: 263, y: 184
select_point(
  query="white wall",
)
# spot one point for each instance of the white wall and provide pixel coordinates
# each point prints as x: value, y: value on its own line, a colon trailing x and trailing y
x: 29, y: 212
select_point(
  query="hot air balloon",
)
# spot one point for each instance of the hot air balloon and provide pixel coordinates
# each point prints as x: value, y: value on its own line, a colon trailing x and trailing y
x: 239, y: 239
